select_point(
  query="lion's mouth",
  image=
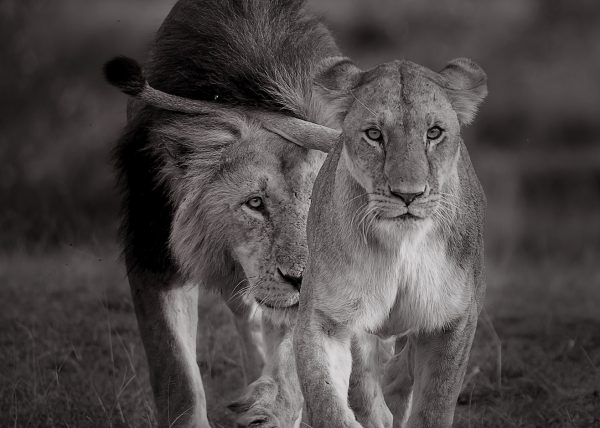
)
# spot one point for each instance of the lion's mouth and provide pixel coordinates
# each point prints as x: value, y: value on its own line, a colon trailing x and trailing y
x: 278, y: 307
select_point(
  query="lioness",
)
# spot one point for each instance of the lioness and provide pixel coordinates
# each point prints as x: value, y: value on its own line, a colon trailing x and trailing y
x: 217, y: 198
x: 395, y: 244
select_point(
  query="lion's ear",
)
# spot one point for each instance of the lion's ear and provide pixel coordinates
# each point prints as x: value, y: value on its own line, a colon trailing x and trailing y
x: 466, y: 85
x: 334, y: 80
x: 337, y: 73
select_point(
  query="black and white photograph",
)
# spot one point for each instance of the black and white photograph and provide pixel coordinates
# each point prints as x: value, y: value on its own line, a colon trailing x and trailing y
x: 300, y: 213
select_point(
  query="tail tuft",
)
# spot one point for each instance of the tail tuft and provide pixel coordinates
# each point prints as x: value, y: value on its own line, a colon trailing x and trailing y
x: 126, y: 74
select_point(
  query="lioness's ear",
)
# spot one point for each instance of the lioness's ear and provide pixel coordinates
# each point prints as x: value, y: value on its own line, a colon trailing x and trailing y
x: 466, y: 84
x: 334, y: 80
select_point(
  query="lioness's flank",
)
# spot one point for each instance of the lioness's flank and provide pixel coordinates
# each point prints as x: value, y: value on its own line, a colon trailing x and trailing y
x: 395, y: 245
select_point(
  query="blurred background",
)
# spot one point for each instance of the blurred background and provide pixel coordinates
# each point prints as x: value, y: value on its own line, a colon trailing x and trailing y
x: 69, y: 351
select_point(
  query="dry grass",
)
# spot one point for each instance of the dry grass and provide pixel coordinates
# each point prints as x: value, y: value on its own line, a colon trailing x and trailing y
x: 70, y: 355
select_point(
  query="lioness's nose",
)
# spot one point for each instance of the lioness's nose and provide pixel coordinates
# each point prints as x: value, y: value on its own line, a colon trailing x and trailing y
x: 406, y: 197
x: 294, y: 279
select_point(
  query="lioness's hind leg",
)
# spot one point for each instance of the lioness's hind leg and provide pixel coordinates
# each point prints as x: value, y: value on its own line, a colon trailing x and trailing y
x: 167, y: 313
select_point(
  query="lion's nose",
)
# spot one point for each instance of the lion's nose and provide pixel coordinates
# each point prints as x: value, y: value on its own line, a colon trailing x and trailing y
x: 406, y: 197
x: 294, y: 279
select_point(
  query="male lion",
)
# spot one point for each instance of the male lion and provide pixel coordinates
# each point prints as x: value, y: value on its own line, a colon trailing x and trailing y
x: 395, y: 245
x: 218, y: 196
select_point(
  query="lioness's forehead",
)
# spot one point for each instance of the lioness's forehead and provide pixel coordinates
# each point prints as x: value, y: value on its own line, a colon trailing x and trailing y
x: 398, y: 83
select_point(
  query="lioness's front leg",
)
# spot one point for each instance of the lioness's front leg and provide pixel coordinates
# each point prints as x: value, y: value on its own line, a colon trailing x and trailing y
x: 274, y: 399
x: 167, y: 313
x: 440, y: 362
x: 324, y: 362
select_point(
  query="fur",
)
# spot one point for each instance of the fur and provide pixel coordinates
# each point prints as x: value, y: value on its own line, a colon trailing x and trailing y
x: 379, y: 263
x: 125, y: 74
x: 228, y: 51
x: 185, y: 179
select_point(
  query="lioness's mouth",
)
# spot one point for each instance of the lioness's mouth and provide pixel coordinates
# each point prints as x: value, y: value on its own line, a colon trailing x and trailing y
x: 409, y: 216
x: 403, y: 217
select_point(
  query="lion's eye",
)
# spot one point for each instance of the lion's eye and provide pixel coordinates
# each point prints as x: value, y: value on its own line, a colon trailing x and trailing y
x: 434, y: 133
x: 255, y: 203
x: 374, y: 134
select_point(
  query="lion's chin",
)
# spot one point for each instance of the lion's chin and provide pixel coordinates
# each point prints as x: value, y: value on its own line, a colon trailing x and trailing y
x: 282, y: 316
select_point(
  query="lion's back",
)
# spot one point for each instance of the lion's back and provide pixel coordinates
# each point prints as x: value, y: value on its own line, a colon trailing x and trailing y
x: 259, y: 53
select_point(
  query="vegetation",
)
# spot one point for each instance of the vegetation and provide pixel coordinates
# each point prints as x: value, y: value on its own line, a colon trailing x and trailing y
x: 70, y: 354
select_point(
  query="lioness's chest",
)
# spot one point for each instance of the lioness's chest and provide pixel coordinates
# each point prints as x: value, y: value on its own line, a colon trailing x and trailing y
x: 419, y: 288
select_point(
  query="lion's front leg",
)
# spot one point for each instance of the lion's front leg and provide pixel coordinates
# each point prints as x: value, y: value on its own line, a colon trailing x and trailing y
x: 365, y: 396
x: 167, y: 314
x: 440, y: 362
x: 248, y: 324
x: 274, y: 399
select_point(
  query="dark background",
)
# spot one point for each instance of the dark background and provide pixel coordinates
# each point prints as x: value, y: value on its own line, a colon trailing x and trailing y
x: 69, y: 351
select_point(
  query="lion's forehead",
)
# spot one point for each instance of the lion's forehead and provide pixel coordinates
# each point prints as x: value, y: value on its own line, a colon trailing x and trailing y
x: 288, y: 172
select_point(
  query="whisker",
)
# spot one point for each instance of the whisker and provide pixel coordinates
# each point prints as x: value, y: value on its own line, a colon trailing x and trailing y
x: 233, y: 292
x: 356, y: 212
x: 363, y: 219
x: 356, y: 197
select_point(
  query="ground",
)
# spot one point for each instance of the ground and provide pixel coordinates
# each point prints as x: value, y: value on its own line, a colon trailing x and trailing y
x: 71, y: 355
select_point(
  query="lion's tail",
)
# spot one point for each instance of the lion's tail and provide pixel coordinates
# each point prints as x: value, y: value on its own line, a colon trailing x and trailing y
x: 127, y: 75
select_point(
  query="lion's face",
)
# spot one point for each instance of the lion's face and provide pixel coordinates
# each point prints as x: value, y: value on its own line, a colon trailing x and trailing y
x: 242, y: 210
x: 268, y: 207
x: 402, y: 142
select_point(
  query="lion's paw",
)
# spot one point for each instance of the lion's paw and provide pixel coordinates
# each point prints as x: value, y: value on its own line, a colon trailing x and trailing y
x: 263, y: 405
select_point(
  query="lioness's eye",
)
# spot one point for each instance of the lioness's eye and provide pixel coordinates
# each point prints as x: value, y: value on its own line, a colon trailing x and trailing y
x: 255, y: 203
x: 434, y: 133
x: 374, y: 134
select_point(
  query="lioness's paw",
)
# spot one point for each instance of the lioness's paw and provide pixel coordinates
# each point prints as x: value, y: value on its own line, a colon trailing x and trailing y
x: 263, y: 405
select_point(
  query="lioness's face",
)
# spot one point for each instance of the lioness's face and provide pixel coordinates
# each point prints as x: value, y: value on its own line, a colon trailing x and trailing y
x: 402, y: 142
